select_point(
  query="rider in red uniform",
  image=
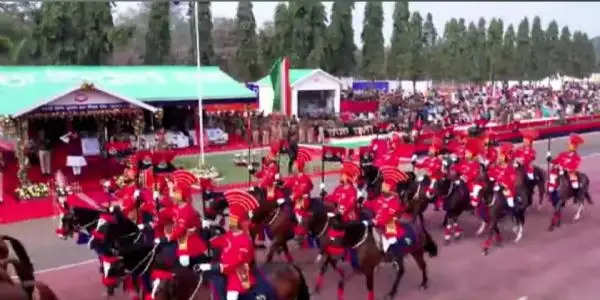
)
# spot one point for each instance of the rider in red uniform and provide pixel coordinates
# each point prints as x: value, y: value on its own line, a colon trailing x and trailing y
x: 191, y: 248
x: 469, y: 169
x: 432, y: 165
x: 566, y: 161
x: 269, y: 166
x: 526, y: 153
x: 507, y: 174
x: 344, y: 199
x: 389, y: 210
x: 301, y: 185
x: 237, y: 254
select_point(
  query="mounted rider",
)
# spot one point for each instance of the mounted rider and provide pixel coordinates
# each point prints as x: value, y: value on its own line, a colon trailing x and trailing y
x: 344, y: 198
x: 237, y: 252
x: 526, y: 153
x: 269, y: 166
x: 190, y: 247
x: 566, y: 161
x: 389, y: 210
x: 300, y: 186
x: 507, y: 174
x: 469, y: 169
x: 432, y: 165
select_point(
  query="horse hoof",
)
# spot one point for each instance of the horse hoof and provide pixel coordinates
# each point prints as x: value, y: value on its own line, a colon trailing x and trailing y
x: 423, y: 286
x: 446, y: 242
x: 485, y: 252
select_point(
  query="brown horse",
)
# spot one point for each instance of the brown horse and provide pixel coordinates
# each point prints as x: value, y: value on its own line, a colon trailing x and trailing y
x: 286, y: 280
x: 565, y: 192
x: 363, y: 241
x: 25, y: 272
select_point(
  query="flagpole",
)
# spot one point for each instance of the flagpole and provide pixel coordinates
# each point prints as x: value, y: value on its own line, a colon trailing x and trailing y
x: 199, y: 87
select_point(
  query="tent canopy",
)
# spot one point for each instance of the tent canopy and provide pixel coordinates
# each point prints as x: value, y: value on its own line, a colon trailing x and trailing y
x: 26, y: 87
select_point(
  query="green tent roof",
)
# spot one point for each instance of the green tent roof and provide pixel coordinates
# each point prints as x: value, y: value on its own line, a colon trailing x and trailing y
x: 22, y: 87
x: 295, y: 75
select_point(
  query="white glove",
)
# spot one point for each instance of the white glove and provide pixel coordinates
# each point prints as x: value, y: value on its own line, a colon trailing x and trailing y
x: 136, y: 194
x: 204, y: 267
x: 280, y: 201
x: 330, y: 215
x: 155, y: 195
x: 157, y: 241
x: 413, y: 158
x: 277, y: 176
x: 205, y: 223
x: 322, y: 186
x: 111, y: 209
x: 141, y: 226
x: 250, y: 214
x: 106, y: 184
x: 365, y: 223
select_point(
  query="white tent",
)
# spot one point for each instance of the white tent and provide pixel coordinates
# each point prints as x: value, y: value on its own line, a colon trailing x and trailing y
x: 304, y: 82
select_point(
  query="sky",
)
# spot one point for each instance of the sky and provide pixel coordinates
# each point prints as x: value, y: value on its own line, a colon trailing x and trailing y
x: 577, y: 15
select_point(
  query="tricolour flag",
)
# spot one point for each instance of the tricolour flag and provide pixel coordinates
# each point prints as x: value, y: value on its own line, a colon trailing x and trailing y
x: 282, y: 93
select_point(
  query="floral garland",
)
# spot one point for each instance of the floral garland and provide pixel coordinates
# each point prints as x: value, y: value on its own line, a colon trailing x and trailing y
x: 34, y: 190
x: 206, y: 172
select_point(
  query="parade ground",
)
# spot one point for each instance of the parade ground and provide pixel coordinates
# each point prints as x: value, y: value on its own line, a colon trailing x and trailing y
x: 558, y: 265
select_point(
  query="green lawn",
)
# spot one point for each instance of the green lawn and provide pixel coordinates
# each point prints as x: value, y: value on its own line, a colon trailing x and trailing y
x: 231, y: 173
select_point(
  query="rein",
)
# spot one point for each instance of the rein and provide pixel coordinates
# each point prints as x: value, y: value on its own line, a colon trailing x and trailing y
x: 324, y: 228
x: 150, y: 254
x: 275, y: 215
x: 363, y: 239
x: 200, y: 280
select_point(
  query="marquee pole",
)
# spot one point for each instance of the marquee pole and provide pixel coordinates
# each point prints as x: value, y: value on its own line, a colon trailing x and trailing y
x: 199, y: 87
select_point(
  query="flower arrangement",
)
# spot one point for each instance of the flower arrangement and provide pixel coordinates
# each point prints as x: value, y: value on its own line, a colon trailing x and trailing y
x: 34, y: 190
x: 205, y: 171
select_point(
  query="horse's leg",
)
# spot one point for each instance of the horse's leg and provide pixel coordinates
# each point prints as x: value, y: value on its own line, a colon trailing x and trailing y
x: 520, y: 222
x: 420, y: 259
x: 340, y: 290
x: 399, y: 263
x: 445, y: 222
x: 272, y: 248
x: 286, y: 251
x: 456, y: 229
x: 370, y: 286
x: 498, y: 236
x: 319, y: 281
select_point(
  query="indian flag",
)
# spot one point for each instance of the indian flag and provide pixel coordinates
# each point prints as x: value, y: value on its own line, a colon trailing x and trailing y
x: 282, y: 93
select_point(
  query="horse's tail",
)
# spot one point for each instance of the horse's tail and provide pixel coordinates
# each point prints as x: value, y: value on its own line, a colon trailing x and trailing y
x: 19, y: 250
x: 430, y: 246
x: 587, y: 189
x: 303, y: 294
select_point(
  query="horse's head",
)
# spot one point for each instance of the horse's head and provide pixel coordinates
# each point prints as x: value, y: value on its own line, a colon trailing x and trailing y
x: 76, y: 219
x: 214, y: 205
x: 113, y: 228
x: 164, y: 285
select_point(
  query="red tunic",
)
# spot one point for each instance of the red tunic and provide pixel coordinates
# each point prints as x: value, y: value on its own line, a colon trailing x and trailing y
x: 237, y: 257
x: 301, y: 185
x: 491, y: 155
x: 433, y: 166
x: 568, y: 160
x: 527, y: 155
x: 387, y: 211
x: 186, y: 221
x: 345, y: 196
x: 469, y: 170
x: 507, y: 178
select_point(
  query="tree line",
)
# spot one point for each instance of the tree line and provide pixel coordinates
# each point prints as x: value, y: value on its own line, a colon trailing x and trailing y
x: 161, y: 32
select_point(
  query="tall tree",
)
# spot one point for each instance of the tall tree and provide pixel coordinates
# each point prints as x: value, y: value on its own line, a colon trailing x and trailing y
x: 340, y: 35
x: 158, y: 37
x: 308, y: 29
x: 282, y: 42
x: 551, y: 49
x: 584, y: 57
x: 506, y: 66
x: 246, y: 56
x: 205, y: 27
x: 494, y: 46
x: 373, y: 59
x: 450, y: 51
x: 463, y: 60
x: 397, y: 60
x: 538, y: 54
x: 431, y: 60
x: 564, y: 51
x: 415, y: 69
x: 267, y: 44
x: 523, y: 51
x: 475, y: 50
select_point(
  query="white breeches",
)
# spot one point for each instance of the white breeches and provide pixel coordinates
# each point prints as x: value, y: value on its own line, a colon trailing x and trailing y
x: 184, y: 260
x: 232, y: 295
x: 475, y: 192
x: 387, y: 242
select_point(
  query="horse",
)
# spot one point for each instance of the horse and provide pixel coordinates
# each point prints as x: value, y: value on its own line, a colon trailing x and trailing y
x: 498, y: 208
x: 455, y: 201
x: 277, y: 221
x: 566, y: 192
x: 371, y: 178
x: 538, y: 181
x: 361, y: 240
x: 277, y: 281
x: 78, y: 219
x: 29, y: 287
